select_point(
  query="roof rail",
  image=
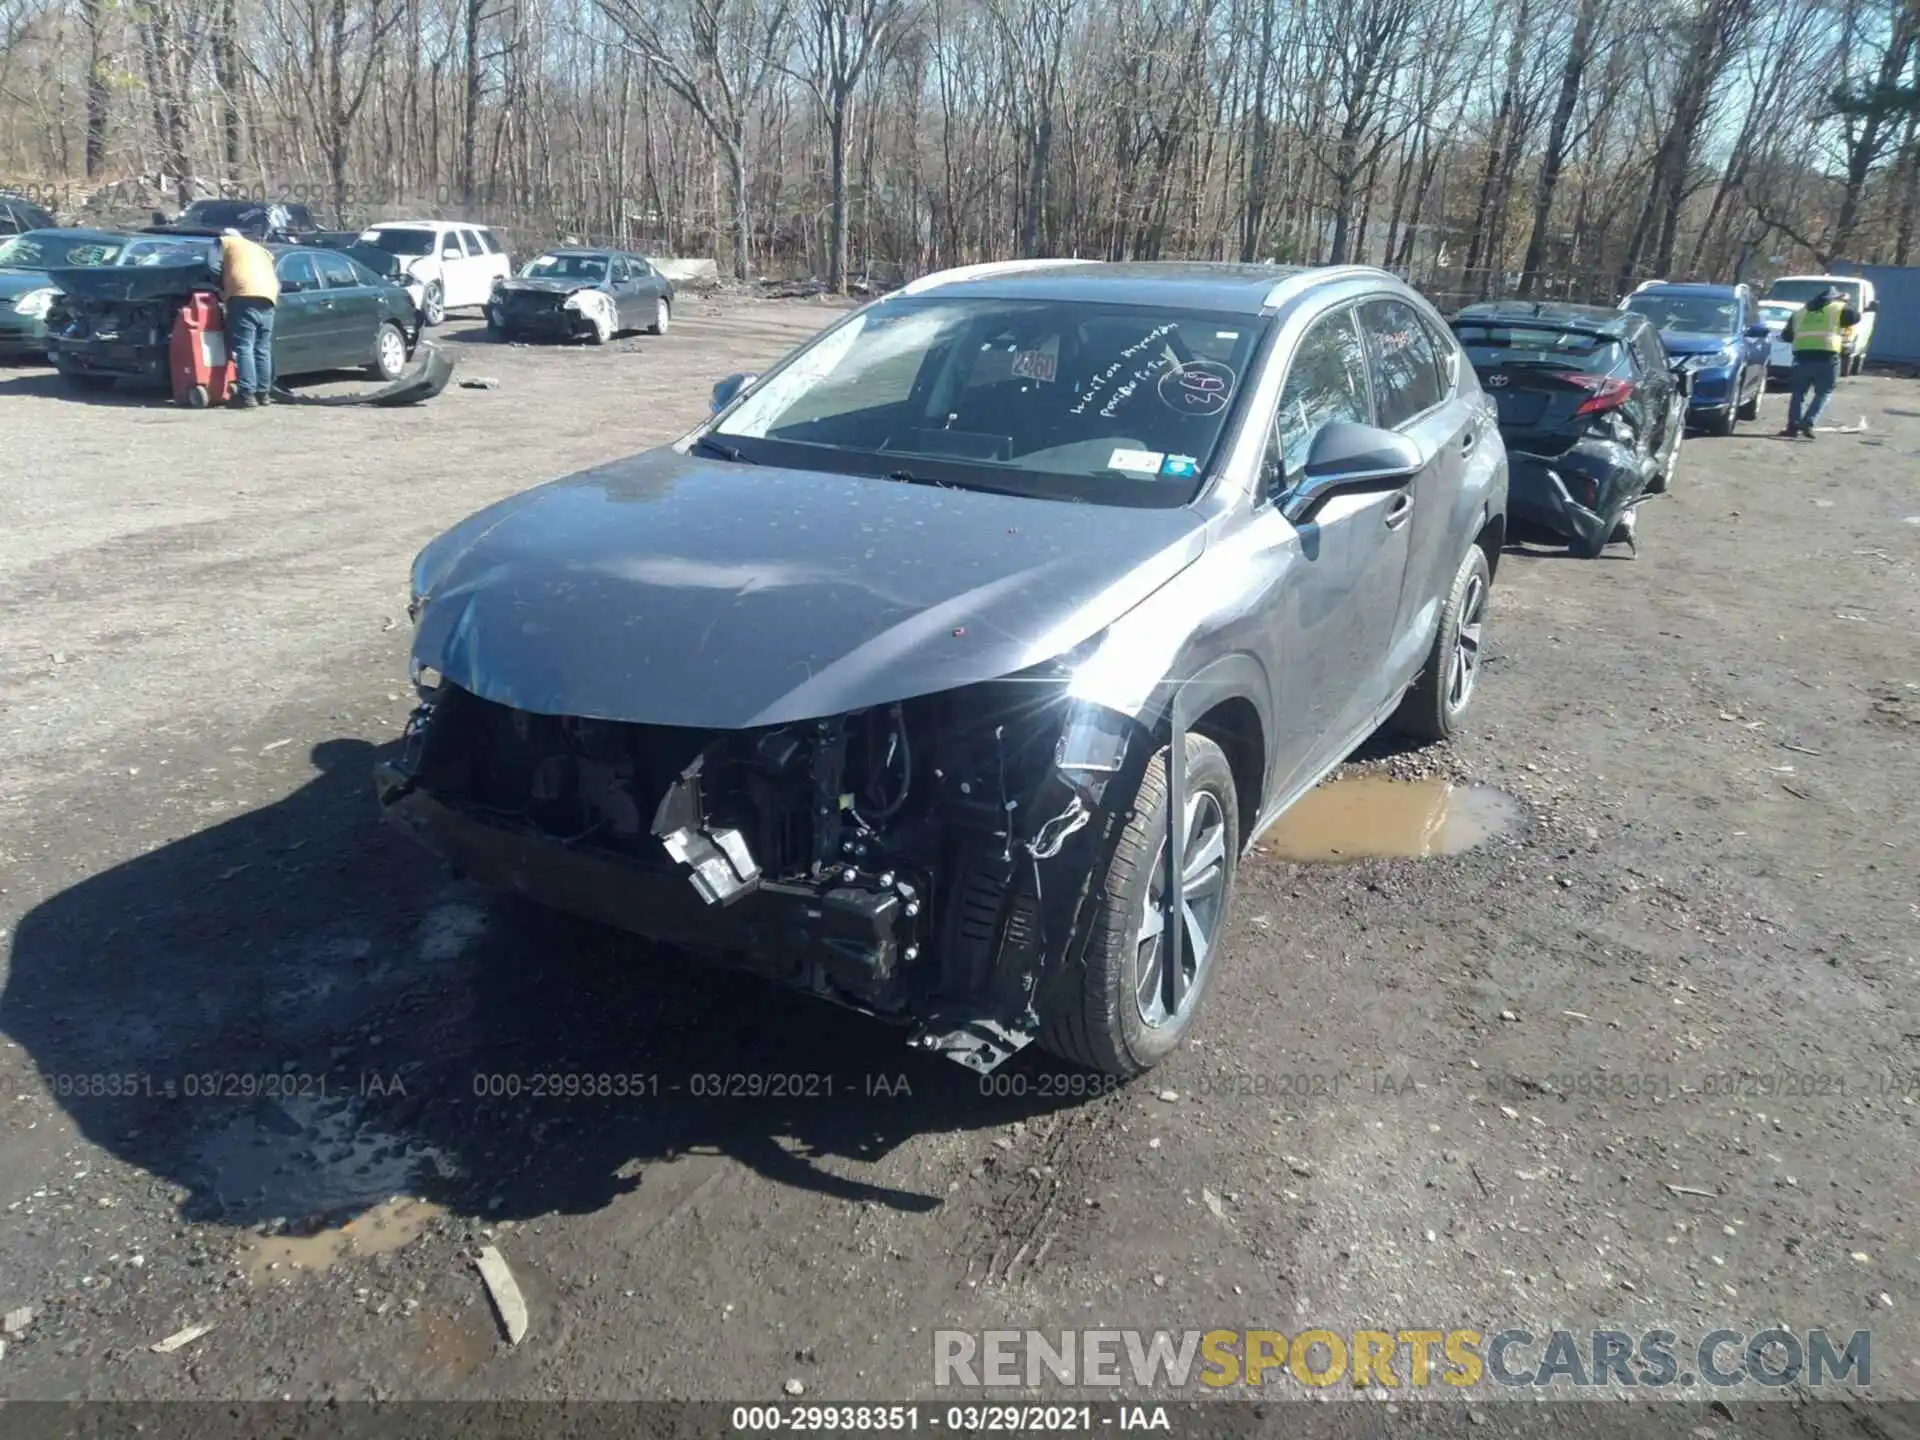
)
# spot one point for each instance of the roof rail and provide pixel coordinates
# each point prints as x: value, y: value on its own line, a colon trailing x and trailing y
x: 1295, y: 283
x: 981, y: 272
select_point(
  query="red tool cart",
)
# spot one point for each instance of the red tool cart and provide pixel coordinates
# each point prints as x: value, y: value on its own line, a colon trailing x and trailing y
x: 198, y: 357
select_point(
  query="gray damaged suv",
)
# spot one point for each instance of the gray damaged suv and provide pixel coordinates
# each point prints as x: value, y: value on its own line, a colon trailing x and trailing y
x: 949, y: 668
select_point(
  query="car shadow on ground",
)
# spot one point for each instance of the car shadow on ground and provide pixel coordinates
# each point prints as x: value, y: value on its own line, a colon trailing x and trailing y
x: 50, y: 384
x: 294, y: 1013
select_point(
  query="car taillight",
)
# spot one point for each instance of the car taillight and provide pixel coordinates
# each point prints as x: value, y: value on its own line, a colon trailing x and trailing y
x: 1609, y: 393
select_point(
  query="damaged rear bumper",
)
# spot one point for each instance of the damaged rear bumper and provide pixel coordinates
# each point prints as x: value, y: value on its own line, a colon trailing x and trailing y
x: 1580, y: 493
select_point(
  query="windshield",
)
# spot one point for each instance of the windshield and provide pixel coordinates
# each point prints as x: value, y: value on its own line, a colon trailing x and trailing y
x: 1776, y: 314
x: 1114, y: 404
x: 377, y: 262
x: 401, y: 242
x: 1490, y: 345
x: 50, y: 249
x: 1804, y: 290
x: 164, y: 252
x: 590, y: 268
x: 1700, y: 314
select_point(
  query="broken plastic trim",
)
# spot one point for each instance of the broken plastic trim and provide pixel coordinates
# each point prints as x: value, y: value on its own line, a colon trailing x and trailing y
x: 722, y: 867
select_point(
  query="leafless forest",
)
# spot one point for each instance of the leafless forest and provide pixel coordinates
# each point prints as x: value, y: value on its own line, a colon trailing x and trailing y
x: 1555, y: 146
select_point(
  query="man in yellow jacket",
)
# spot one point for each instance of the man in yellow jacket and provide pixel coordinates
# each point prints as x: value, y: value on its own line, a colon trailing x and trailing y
x: 1818, y: 336
x: 252, y: 290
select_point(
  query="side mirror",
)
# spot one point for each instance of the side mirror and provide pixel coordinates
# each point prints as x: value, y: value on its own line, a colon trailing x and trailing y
x: 1873, y: 306
x: 1346, y: 459
x: 1758, y: 332
x: 728, y: 390
x: 1683, y: 379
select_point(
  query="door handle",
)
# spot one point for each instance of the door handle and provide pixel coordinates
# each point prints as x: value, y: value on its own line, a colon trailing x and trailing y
x: 1398, y: 512
x: 1468, y: 441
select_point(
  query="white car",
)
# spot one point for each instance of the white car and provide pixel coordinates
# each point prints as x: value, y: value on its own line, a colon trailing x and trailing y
x: 454, y: 263
x: 1775, y: 314
x: 1854, y: 291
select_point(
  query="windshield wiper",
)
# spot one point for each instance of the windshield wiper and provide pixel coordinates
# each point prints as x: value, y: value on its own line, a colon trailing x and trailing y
x: 714, y: 447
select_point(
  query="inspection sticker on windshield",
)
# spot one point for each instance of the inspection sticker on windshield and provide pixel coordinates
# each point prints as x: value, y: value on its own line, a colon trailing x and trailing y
x: 1144, y: 462
x: 1180, y: 467
x: 1040, y: 364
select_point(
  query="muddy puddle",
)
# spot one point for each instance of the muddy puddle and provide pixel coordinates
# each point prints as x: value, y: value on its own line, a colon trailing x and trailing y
x: 341, y: 1185
x: 380, y: 1230
x: 1374, y: 817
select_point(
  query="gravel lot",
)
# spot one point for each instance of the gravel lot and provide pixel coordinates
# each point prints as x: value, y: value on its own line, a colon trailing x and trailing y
x: 1649, y: 1061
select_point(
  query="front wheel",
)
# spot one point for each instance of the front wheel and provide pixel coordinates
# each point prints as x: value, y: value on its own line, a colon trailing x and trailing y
x: 1750, y: 410
x: 1437, y: 704
x: 1127, y: 1008
x: 389, y: 353
x: 433, y: 305
x: 1724, y: 423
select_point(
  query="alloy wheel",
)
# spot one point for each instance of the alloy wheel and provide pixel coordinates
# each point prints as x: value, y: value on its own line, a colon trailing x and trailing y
x: 393, y: 351
x: 1464, y: 667
x: 1165, y: 993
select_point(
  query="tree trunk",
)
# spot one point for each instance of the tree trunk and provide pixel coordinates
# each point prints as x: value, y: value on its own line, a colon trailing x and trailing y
x: 837, y: 191
x: 1579, y: 49
x: 98, y: 93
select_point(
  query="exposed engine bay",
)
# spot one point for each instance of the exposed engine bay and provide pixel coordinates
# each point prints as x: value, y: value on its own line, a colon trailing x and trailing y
x: 929, y: 861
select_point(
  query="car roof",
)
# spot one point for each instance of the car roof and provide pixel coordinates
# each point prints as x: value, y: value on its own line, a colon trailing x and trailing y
x: 1603, y: 318
x: 425, y: 225
x: 1226, y: 288
x: 1689, y: 287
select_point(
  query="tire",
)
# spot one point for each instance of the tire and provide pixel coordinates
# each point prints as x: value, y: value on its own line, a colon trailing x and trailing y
x: 1750, y: 410
x: 601, y: 332
x: 1435, y: 706
x: 662, y: 316
x: 1098, y: 1019
x: 433, y: 305
x: 389, y: 352
x: 1723, y: 424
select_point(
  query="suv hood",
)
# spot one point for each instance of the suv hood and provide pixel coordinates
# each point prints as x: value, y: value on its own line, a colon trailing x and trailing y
x: 672, y: 590
x: 1693, y: 342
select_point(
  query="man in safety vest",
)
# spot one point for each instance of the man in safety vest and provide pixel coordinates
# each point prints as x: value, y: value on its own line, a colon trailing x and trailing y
x: 1818, y: 334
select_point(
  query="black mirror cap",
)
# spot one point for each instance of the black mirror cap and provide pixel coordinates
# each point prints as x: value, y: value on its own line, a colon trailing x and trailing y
x: 1345, y: 452
x: 1873, y: 307
x: 1759, y: 332
x: 726, y: 390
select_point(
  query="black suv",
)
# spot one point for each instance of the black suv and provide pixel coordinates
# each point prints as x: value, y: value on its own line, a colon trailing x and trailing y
x: 261, y: 220
x: 1591, y: 409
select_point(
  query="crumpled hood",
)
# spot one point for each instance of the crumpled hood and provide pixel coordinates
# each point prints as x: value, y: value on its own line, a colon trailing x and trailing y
x: 1692, y: 342
x: 134, y: 282
x: 671, y: 590
x: 544, y: 285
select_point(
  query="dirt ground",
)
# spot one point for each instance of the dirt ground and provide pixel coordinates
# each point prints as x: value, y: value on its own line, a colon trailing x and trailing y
x: 1651, y: 1060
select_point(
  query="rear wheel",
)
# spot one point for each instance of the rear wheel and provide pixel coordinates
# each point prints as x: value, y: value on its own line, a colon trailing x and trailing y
x: 389, y: 353
x: 1127, y: 1009
x: 433, y: 306
x: 662, y: 316
x: 1437, y: 704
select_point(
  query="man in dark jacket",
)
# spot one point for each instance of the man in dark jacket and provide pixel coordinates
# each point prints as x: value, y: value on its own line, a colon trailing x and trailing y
x: 1818, y: 335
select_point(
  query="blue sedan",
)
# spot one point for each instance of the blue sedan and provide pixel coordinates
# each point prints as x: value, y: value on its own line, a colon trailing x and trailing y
x: 1716, y: 333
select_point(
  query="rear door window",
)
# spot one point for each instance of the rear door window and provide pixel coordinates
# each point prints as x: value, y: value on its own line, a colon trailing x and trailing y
x: 450, y: 246
x: 472, y: 241
x: 1406, y: 376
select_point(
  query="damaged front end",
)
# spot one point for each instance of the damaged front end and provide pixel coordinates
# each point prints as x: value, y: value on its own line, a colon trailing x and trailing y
x: 931, y: 861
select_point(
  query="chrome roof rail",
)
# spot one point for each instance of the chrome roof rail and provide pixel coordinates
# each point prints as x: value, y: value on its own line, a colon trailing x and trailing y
x: 981, y: 272
x: 1319, y: 275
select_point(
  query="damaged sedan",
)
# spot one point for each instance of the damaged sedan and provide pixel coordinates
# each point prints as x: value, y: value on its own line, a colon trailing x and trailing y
x: 581, y: 295
x: 950, y: 667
